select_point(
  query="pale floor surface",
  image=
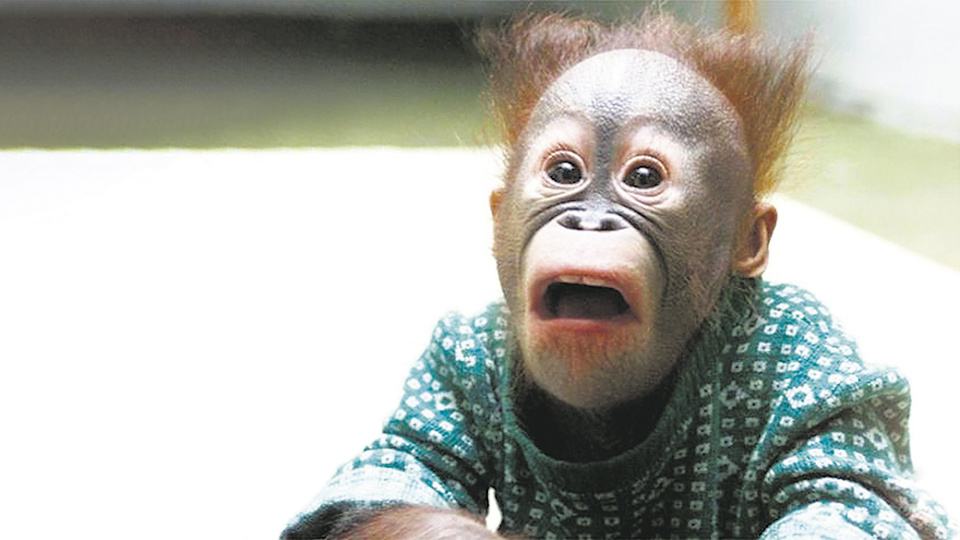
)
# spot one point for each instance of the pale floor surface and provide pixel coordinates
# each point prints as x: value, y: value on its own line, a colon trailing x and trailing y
x: 193, y: 341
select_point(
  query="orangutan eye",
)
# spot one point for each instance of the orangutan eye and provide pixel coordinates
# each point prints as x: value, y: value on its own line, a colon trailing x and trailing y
x: 565, y: 172
x: 643, y: 177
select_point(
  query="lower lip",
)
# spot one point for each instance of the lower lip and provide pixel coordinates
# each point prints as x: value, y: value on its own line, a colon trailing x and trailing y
x: 584, y: 326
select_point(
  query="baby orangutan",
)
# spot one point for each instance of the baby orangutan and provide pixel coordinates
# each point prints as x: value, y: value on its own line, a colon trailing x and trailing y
x: 639, y: 379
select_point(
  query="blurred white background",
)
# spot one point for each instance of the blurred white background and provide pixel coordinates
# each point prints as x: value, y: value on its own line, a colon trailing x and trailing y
x: 193, y: 341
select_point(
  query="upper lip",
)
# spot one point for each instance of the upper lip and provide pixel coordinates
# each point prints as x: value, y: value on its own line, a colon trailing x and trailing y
x: 585, y: 279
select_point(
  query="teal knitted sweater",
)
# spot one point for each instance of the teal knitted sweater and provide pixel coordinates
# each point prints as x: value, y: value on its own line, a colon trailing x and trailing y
x: 775, y: 428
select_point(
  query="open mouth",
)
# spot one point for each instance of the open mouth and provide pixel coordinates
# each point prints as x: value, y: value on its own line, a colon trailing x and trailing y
x: 580, y: 301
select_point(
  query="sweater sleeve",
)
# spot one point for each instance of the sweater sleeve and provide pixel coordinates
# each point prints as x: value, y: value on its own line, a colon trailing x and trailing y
x: 848, y: 474
x: 833, y: 458
x: 428, y: 452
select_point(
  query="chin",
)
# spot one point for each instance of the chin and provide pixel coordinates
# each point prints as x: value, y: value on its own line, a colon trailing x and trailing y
x: 592, y: 366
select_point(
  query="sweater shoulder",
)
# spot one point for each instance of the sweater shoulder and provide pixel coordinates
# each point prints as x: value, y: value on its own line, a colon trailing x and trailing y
x: 790, y: 345
x: 788, y: 324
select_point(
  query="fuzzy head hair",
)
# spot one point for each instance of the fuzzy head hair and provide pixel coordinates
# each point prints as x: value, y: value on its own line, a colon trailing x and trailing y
x: 765, y: 84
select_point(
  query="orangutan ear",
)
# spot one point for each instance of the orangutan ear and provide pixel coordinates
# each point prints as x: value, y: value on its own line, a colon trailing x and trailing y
x: 496, y: 197
x: 753, y: 246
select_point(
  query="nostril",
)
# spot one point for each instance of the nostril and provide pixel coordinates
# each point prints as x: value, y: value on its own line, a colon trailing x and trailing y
x: 570, y: 221
x: 612, y: 223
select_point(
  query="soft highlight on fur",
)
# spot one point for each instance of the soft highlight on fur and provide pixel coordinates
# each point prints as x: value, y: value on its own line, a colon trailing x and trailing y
x: 764, y: 83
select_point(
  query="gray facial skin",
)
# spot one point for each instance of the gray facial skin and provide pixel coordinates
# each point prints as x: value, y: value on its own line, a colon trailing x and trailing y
x: 665, y: 245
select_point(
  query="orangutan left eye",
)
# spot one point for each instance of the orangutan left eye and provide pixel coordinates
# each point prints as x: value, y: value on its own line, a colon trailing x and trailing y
x: 643, y: 177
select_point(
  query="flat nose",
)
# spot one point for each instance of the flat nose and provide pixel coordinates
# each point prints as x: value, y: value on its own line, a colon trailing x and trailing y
x: 580, y: 220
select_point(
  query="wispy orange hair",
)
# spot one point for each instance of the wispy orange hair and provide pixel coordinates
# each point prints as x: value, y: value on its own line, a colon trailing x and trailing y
x: 765, y: 84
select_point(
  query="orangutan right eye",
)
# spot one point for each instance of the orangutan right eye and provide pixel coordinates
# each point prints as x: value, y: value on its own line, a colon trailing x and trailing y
x: 565, y: 173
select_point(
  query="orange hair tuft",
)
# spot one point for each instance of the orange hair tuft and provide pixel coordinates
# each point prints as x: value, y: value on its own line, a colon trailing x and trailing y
x: 764, y: 83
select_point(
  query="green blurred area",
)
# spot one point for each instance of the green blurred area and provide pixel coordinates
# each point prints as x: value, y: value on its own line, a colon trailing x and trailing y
x: 904, y: 188
x: 244, y: 82
x: 274, y: 82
